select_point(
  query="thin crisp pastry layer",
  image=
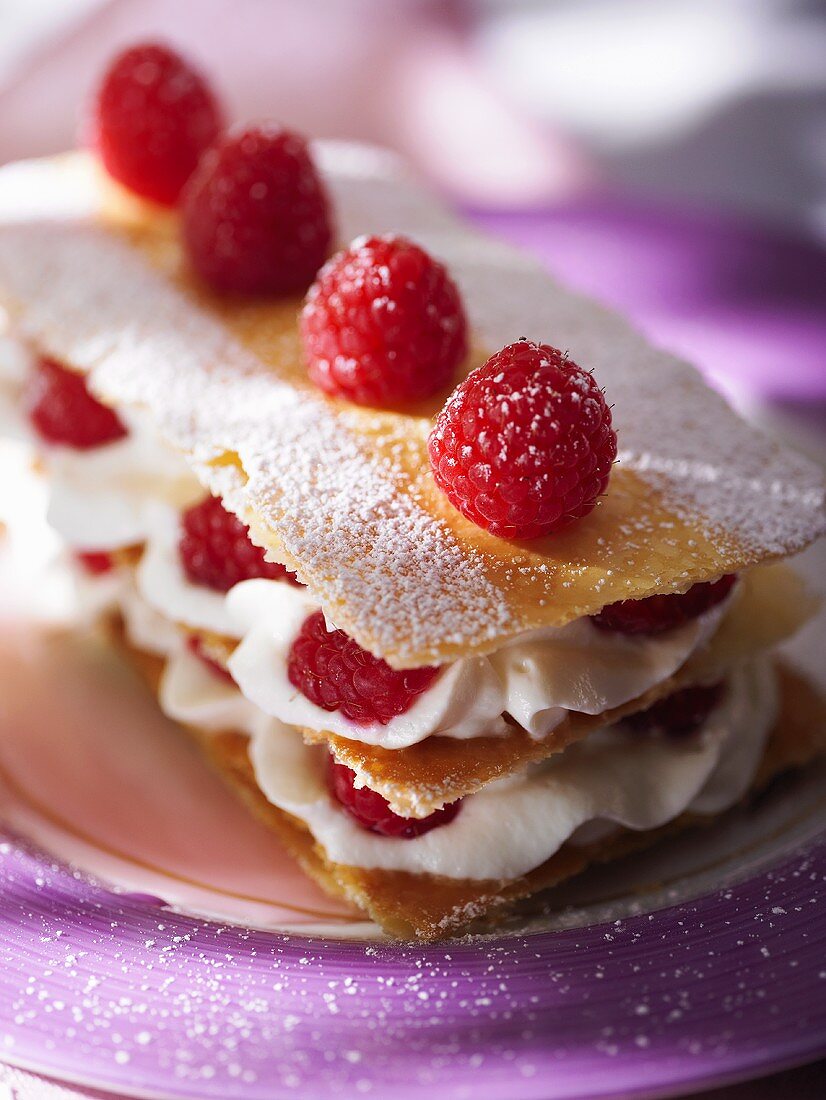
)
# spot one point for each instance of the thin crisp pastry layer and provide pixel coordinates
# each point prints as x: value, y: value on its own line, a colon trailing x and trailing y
x: 772, y: 605
x: 344, y: 495
x: 429, y: 907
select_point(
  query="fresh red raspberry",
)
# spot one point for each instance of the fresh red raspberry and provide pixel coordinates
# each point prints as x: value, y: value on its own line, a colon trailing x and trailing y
x: 677, y: 715
x: 154, y: 117
x: 335, y: 673
x: 63, y: 411
x: 655, y: 614
x: 195, y: 645
x: 524, y: 446
x: 255, y: 214
x: 95, y: 562
x: 383, y: 323
x: 371, y: 810
x: 216, y: 551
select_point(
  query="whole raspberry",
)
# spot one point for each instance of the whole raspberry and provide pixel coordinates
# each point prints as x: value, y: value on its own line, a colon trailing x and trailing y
x: 216, y: 551
x: 62, y: 410
x: 154, y: 116
x: 524, y: 446
x: 677, y: 715
x: 255, y: 214
x: 95, y: 562
x: 383, y: 323
x: 655, y: 614
x: 371, y: 810
x: 335, y: 673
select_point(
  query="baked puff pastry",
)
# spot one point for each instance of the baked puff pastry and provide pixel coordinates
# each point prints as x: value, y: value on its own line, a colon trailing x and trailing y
x: 539, y: 741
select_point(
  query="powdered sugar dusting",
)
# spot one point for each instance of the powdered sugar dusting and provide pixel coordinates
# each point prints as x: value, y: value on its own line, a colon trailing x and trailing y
x: 672, y: 427
x: 387, y: 570
x: 331, y: 506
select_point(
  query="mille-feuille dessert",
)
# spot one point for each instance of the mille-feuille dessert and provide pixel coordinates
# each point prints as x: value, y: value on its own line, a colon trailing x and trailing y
x: 457, y: 581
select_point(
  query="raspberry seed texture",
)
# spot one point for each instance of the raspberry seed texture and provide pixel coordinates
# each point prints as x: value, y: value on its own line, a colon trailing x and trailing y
x: 383, y: 324
x: 216, y: 551
x: 373, y: 813
x: 656, y: 614
x: 524, y: 446
x: 332, y: 670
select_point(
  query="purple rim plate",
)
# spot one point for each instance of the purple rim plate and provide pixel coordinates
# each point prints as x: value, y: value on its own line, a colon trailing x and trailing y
x: 119, y: 992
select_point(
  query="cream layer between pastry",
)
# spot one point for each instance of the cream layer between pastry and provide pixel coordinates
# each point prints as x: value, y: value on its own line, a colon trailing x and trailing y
x: 124, y: 493
x: 612, y: 777
x: 343, y: 495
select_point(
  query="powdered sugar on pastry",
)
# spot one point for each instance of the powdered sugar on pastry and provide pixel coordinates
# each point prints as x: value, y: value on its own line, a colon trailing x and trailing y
x: 344, y: 497
x: 535, y: 678
x: 514, y: 825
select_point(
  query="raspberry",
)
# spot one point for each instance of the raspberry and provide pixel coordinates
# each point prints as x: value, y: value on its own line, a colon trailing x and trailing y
x: 255, y: 214
x: 383, y: 323
x: 95, y: 562
x: 524, y: 445
x: 335, y: 673
x: 655, y: 614
x: 154, y: 117
x: 677, y: 715
x: 195, y: 645
x: 63, y: 411
x: 372, y: 811
x: 216, y: 551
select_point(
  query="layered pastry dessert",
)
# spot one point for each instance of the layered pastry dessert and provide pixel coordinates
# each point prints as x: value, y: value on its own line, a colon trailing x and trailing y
x: 458, y: 582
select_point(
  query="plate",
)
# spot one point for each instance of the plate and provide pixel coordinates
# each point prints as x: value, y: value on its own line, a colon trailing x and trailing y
x: 156, y: 941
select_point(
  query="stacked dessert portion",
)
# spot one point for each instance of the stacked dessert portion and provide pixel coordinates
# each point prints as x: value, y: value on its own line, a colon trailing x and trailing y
x: 459, y: 583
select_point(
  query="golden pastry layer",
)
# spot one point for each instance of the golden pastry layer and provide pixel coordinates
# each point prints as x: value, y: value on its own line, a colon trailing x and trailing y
x: 428, y: 907
x: 344, y: 495
x: 771, y: 606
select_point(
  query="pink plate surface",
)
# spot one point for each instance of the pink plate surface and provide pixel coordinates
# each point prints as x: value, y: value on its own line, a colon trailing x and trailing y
x: 157, y: 941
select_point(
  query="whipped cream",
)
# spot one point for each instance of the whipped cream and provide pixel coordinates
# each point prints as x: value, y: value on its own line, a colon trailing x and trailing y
x: 464, y: 700
x: 611, y: 778
x: 94, y: 594
x: 536, y: 678
x: 98, y: 497
x: 191, y: 693
x: 164, y: 585
x: 145, y: 627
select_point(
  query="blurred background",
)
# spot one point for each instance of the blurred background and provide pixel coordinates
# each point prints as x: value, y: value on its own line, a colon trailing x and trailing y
x: 668, y: 156
x: 502, y: 102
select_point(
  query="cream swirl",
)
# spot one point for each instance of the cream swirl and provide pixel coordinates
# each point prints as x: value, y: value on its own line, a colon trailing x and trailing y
x: 98, y: 497
x: 536, y: 678
x: 191, y: 693
x: 101, y: 498
x: 164, y: 585
x: 508, y: 828
x: 145, y: 627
